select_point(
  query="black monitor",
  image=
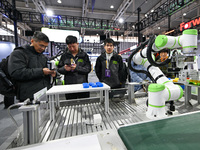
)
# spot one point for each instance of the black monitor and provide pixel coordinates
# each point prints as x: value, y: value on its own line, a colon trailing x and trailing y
x: 29, y: 33
x: 102, y: 37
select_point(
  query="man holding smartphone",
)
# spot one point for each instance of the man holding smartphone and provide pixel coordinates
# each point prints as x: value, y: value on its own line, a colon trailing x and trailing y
x: 75, y: 65
x: 28, y: 67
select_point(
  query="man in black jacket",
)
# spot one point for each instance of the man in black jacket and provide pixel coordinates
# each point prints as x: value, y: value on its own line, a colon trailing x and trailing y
x: 28, y: 67
x: 75, y: 65
x: 109, y: 66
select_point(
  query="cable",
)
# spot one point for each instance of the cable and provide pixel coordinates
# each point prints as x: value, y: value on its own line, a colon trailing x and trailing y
x: 149, y: 54
x: 8, y: 110
x: 142, y: 45
x: 27, y: 102
x: 58, y: 54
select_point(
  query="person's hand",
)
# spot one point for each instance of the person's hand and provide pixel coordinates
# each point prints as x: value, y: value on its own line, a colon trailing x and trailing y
x: 67, y: 67
x: 144, y: 88
x: 73, y: 66
x: 146, y: 85
x: 46, y: 71
x: 53, y: 73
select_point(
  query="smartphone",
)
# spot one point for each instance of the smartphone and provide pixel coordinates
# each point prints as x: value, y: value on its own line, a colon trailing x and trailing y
x: 68, y: 62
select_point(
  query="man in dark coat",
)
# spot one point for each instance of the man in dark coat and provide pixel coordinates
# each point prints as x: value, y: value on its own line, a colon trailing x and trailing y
x: 28, y: 67
x: 75, y: 65
x: 109, y: 66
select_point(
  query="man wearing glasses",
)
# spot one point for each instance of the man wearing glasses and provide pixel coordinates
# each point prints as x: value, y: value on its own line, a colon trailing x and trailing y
x: 28, y: 67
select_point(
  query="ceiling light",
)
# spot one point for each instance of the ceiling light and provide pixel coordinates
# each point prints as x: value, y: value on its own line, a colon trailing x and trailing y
x: 184, y: 14
x: 111, y: 6
x: 152, y: 10
x: 145, y: 15
x: 49, y: 13
x: 158, y: 27
x: 59, y: 1
x: 121, y: 20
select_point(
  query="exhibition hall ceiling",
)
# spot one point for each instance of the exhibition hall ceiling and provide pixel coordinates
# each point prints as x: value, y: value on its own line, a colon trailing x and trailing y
x: 111, y: 10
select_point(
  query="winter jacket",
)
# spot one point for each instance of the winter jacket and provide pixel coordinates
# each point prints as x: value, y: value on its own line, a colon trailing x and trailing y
x: 83, y: 67
x: 115, y: 67
x: 26, y: 67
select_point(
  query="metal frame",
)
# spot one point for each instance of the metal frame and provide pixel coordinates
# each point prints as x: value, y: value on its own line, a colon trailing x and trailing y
x: 30, y: 124
x: 7, y: 9
x: 70, y: 21
x: 54, y: 92
x: 188, y: 95
x: 166, y: 9
x: 131, y: 94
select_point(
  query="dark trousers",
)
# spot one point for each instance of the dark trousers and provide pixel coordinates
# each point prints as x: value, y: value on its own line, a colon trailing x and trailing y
x: 117, y: 92
x: 77, y: 95
x: 8, y: 101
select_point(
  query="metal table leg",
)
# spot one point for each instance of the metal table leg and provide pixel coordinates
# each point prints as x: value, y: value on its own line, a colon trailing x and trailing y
x: 57, y: 100
x: 52, y: 107
x: 198, y: 96
x: 187, y: 94
x: 101, y: 96
x: 106, y: 101
x: 131, y: 95
x: 30, y: 124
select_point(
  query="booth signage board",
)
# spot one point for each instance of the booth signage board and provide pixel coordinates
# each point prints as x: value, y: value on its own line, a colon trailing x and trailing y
x: 189, y: 24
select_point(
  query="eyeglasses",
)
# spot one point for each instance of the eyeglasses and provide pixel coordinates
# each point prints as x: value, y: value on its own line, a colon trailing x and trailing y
x: 42, y: 46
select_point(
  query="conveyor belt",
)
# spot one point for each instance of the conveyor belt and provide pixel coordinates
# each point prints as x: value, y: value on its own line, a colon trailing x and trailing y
x: 179, y: 132
x: 78, y: 119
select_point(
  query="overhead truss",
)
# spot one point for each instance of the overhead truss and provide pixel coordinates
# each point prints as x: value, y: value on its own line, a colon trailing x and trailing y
x: 58, y: 21
x: 7, y: 10
x: 84, y: 13
x: 166, y: 9
x: 122, y: 9
x: 70, y: 21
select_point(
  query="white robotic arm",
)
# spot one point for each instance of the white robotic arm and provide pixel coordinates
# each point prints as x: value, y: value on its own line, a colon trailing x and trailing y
x: 187, y: 41
x: 164, y: 89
